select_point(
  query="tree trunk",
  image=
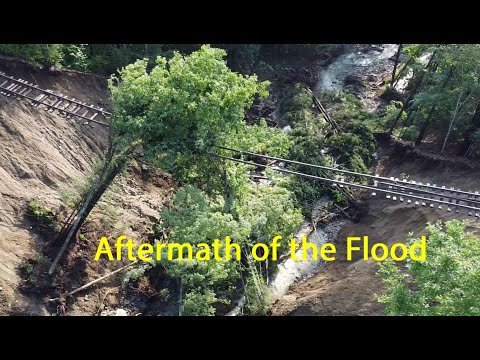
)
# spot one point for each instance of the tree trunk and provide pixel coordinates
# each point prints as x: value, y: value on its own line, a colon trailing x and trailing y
x: 427, y: 122
x: 110, y: 172
x: 476, y: 117
x: 425, y: 126
x: 112, y: 166
x: 454, y: 118
x: 397, y: 56
x: 475, y: 123
x: 412, y: 94
x: 405, y: 66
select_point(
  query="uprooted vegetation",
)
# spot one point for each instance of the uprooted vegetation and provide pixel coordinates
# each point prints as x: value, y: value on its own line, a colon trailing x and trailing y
x: 314, y: 141
x: 152, y: 130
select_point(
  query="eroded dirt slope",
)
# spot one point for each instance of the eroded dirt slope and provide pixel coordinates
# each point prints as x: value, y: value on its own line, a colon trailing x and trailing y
x: 42, y: 155
x: 350, y: 287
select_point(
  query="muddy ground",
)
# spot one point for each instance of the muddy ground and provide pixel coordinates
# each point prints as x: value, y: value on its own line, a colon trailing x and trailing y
x: 45, y: 157
x: 351, y: 287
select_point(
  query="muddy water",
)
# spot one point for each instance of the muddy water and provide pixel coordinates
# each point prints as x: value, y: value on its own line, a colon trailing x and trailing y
x: 291, y: 271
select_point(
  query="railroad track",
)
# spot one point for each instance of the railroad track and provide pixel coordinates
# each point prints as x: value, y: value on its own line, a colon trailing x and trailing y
x: 408, y: 191
x: 394, y: 189
x: 70, y: 108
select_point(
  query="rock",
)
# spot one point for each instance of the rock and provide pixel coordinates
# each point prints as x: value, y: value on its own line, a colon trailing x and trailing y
x: 287, y: 129
x: 22, y: 173
x: 1, y: 288
x: 121, y: 312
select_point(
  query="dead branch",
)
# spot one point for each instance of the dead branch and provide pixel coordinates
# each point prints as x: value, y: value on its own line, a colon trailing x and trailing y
x: 86, y: 286
x: 322, y: 110
x: 343, y: 211
x: 103, y: 300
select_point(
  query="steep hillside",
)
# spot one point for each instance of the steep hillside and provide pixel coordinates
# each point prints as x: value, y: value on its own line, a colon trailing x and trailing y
x: 350, y: 288
x: 42, y: 156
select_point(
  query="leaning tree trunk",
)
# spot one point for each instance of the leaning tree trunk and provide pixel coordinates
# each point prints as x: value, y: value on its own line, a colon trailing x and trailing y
x: 112, y: 166
x: 397, y: 56
x: 406, y: 104
x: 405, y: 66
x: 426, y: 124
x: 454, y: 118
x: 475, y: 123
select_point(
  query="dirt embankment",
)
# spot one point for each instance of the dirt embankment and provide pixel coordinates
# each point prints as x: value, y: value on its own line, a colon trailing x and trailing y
x: 42, y: 156
x: 350, y: 287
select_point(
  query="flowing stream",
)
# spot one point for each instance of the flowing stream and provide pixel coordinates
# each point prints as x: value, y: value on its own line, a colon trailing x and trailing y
x: 354, y: 62
x: 373, y: 62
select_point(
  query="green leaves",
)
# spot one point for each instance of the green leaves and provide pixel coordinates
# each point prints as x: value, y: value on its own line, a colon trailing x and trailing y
x: 194, y: 219
x: 184, y: 105
x: 447, y: 283
x: 449, y: 90
x: 267, y: 211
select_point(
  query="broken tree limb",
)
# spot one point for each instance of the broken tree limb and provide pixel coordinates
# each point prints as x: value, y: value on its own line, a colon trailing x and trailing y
x: 322, y: 110
x: 343, y: 211
x: 112, y: 165
x: 86, y: 286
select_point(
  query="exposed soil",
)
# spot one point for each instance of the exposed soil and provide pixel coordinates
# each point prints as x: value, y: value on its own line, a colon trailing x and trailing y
x: 350, y: 287
x: 42, y: 155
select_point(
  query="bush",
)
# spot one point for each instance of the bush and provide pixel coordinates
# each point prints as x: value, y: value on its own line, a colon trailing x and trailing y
x: 409, y: 133
x: 446, y: 283
x: 45, y: 54
x: 44, y: 216
x: 198, y: 303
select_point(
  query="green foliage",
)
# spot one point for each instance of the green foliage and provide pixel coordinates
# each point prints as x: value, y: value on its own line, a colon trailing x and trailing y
x: 183, y: 106
x: 49, y: 54
x: 297, y: 99
x: 267, y: 211
x: 75, y: 57
x: 257, y: 301
x: 28, y: 269
x: 352, y: 148
x: 448, y: 90
x: 260, y: 138
x: 199, y: 303
x: 106, y: 59
x: 194, y: 219
x: 446, y: 283
x: 262, y: 212
x: 408, y: 133
x: 44, y: 216
x: 34, y: 271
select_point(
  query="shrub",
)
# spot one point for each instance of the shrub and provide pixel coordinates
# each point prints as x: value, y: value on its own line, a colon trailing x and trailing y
x: 446, y: 283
